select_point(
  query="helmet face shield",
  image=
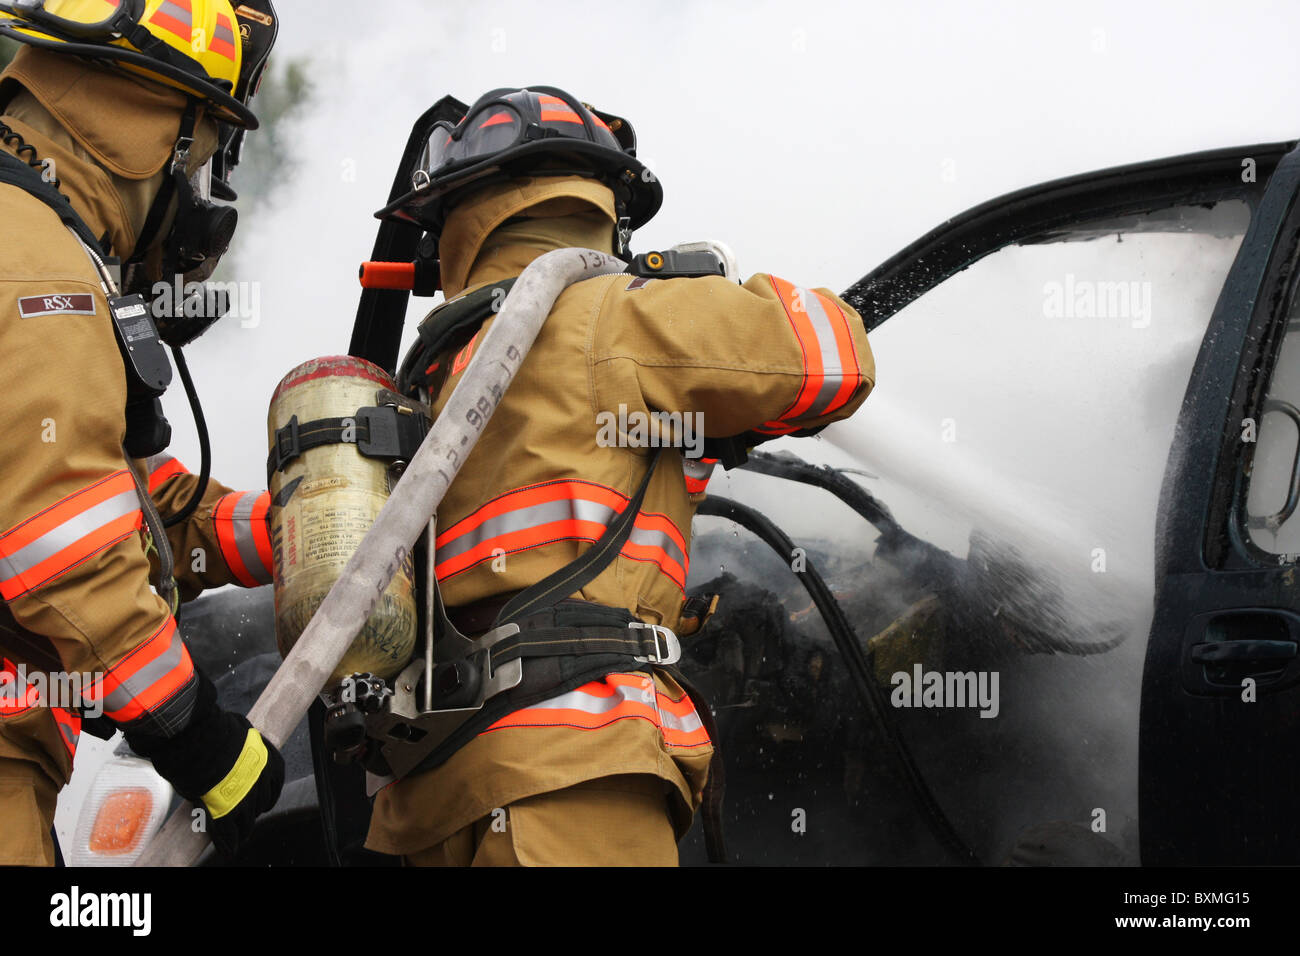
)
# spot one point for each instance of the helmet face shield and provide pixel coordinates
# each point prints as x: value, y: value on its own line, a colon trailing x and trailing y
x: 258, y: 28
x: 84, y: 19
x: 488, y: 132
x: 496, y: 124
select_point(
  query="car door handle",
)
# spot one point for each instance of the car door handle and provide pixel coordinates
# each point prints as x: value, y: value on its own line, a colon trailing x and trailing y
x: 1223, y: 648
x: 1243, y: 651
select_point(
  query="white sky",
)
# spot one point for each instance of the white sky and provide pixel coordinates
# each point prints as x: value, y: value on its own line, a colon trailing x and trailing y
x: 817, y: 139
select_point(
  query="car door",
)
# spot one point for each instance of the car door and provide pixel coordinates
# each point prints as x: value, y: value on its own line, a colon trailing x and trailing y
x: 1034, y: 356
x: 1220, y: 724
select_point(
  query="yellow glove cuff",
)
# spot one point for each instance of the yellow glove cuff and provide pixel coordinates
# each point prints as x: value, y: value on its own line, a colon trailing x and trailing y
x: 226, y: 795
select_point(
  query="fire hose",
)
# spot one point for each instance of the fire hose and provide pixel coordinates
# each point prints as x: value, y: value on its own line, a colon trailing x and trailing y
x: 401, y: 521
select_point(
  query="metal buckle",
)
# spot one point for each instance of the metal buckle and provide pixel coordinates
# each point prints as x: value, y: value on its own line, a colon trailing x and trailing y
x: 672, y: 648
x: 181, y: 155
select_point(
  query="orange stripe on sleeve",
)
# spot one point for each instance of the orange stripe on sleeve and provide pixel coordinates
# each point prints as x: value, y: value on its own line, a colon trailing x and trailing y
x: 167, y: 470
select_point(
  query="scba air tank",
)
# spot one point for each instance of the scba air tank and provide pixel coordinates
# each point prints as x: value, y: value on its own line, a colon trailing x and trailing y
x: 325, y: 496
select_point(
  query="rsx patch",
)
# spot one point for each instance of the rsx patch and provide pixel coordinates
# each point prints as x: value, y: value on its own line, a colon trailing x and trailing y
x: 36, y: 306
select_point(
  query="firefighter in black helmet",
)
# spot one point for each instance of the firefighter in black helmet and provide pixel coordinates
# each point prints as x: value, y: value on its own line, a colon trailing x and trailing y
x: 600, y: 755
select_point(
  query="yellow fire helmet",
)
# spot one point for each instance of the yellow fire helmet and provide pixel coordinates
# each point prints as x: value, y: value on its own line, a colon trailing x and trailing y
x: 205, y: 48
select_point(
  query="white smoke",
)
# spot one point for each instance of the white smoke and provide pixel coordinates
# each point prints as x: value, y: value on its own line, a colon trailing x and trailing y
x: 817, y: 139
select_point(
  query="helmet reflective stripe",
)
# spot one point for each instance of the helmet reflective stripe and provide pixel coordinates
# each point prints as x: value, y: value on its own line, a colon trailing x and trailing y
x: 174, y: 18
x: 563, y: 115
x: 223, y: 39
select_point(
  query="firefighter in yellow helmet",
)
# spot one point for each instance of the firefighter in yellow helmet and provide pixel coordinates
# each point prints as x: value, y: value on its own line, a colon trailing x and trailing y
x: 117, y: 118
x: 601, y: 755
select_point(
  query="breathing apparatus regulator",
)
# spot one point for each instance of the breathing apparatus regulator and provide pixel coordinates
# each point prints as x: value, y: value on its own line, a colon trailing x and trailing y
x: 342, y: 428
x: 217, y: 59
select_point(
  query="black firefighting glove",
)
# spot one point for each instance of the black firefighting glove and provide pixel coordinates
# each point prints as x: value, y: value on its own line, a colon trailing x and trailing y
x: 220, y: 763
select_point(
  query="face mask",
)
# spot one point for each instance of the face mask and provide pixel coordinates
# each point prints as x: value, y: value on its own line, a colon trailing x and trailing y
x: 199, y: 233
x: 202, y: 230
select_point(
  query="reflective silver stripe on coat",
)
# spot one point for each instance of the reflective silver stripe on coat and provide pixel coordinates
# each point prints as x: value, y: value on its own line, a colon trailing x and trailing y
x: 68, y: 533
x: 154, y: 462
x: 245, y: 543
x: 686, y: 725
x: 697, y: 469
x: 70, y: 736
x: 549, y: 512
x: 143, y: 679
x: 591, y: 704
x: 829, y: 350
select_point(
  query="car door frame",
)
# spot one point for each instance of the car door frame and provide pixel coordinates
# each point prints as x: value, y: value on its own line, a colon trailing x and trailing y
x: 1207, y: 792
x: 1038, y: 211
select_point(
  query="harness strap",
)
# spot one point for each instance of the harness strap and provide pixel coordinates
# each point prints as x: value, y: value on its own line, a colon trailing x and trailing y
x: 643, y: 642
x: 578, y: 574
x: 173, y: 183
x: 446, y: 327
x: 544, y: 678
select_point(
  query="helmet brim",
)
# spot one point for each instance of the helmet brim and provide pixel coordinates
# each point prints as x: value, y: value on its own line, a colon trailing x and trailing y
x: 424, y: 206
x: 223, y: 105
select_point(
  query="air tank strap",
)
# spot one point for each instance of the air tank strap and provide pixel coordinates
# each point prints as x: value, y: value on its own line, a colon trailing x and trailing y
x: 379, y: 431
x: 446, y: 326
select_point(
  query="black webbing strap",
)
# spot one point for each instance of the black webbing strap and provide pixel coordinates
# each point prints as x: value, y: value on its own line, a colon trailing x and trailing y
x: 14, y: 172
x: 378, y: 432
x: 462, y: 313
x: 444, y: 327
x: 578, y: 574
x: 173, y: 182
x: 576, y: 627
x: 298, y: 437
x: 381, y: 313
